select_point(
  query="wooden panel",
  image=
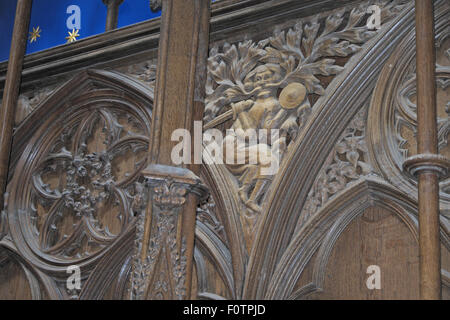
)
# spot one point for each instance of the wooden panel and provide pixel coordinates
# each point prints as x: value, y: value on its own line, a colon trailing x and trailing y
x: 377, y: 237
x: 13, y: 281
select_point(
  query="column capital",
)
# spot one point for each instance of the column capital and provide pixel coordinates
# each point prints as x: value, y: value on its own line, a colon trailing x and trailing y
x: 161, y: 263
x: 171, y: 184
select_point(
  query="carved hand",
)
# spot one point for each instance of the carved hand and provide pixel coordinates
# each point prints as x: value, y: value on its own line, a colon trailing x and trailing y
x: 240, y: 107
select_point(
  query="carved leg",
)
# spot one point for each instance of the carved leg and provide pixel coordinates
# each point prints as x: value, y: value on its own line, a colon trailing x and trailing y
x: 247, y: 179
x: 257, y: 193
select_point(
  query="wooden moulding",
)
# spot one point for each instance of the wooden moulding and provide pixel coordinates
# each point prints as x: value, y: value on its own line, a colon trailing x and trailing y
x: 433, y: 163
x: 427, y: 165
x: 112, y: 14
x: 228, y: 17
x: 12, y: 87
x: 166, y: 228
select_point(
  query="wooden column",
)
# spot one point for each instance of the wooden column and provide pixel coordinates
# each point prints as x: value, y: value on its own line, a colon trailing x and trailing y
x: 112, y: 14
x: 12, y: 86
x: 428, y: 166
x: 165, y: 233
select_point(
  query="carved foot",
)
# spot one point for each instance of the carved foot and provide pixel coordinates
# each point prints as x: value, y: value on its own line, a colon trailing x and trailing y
x: 243, y: 194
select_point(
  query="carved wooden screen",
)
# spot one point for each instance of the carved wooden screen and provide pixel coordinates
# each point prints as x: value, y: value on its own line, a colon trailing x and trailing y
x: 71, y: 196
x: 339, y: 202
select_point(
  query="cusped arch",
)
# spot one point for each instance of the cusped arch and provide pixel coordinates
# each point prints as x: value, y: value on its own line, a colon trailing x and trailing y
x: 56, y: 139
x: 321, y: 233
x: 88, y: 93
x: 80, y: 85
x: 391, y: 111
x: 343, y: 100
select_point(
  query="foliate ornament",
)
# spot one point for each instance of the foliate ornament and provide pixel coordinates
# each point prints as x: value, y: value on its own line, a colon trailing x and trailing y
x: 151, y: 278
x: 76, y: 181
x: 29, y: 101
x: 349, y: 161
x: 206, y: 214
x: 143, y: 71
x: 160, y: 269
x: 69, y: 197
x: 155, y: 5
x: 301, y: 52
x: 273, y: 83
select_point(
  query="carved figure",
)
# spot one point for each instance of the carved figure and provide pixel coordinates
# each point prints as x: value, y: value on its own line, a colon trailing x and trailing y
x: 264, y: 111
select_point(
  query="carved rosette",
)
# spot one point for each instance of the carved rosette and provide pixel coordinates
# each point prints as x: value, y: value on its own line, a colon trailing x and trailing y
x: 76, y: 182
x: 161, y: 263
x: 73, y: 191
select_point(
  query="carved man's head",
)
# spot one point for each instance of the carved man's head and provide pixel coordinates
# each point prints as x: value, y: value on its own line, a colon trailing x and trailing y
x: 263, y: 75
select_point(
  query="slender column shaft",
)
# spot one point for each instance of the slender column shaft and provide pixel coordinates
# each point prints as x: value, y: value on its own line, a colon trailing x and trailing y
x: 429, y: 242
x: 12, y: 86
x: 113, y: 13
x: 174, y: 189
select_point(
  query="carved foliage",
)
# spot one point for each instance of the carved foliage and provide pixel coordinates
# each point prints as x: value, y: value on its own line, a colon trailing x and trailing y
x: 30, y: 100
x: 162, y: 273
x: 251, y: 84
x: 346, y: 163
x: 88, y: 184
x: 207, y: 215
x: 72, y: 195
x: 302, y: 52
x: 155, y: 5
x: 143, y: 71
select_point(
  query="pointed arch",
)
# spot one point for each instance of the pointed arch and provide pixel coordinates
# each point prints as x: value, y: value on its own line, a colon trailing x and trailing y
x: 343, y: 100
